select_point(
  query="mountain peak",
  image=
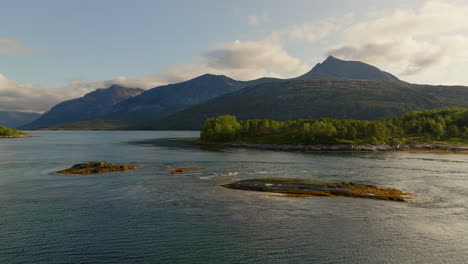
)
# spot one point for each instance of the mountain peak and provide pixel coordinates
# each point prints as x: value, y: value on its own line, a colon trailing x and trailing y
x: 114, y: 90
x: 336, y: 68
x: 331, y: 58
x: 210, y: 76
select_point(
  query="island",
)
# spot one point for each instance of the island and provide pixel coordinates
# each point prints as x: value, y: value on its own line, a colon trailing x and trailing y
x: 6, y: 132
x: 294, y: 187
x: 94, y: 167
x: 183, y: 170
x: 430, y: 130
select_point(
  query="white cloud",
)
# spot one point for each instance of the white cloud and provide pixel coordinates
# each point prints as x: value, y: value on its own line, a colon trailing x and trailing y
x: 254, y: 20
x: 311, y: 31
x: 259, y: 19
x: 410, y: 42
x: 11, y: 46
x: 241, y: 60
x: 261, y: 56
x: 27, y: 97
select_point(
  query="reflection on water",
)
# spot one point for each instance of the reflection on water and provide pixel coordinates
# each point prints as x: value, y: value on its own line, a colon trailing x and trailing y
x: 151, y: 216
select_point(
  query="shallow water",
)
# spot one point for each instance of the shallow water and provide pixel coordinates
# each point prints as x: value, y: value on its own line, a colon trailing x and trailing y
x: 150, y: 216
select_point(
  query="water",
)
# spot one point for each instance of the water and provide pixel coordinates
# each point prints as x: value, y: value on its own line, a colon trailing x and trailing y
x: 150, y: 216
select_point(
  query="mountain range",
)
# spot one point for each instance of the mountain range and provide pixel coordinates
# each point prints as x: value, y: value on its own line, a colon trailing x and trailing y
x: 15, y: 119
x: 334, y: 88
x: 92, y: 106
x: 317, y: 98
x: 162, y: 101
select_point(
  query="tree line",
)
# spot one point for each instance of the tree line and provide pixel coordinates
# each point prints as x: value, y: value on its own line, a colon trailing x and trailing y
x: 10, y: 132
x: 418, y: 126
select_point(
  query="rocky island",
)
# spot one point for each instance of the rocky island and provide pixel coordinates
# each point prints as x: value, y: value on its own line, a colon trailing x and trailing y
x: 293, y: 187
x: 94, y: 167
x: 183, y: 170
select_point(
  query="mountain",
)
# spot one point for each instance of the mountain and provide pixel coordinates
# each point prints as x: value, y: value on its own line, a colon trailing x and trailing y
x: 91, y: 106
x: 334, y: 88
x: 356, y: 70
x: 317, y: 98
x: 16, y: 119
x: 164, y: 100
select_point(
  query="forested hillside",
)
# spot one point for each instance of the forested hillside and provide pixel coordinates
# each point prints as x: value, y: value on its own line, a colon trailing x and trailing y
x: 319, y: 98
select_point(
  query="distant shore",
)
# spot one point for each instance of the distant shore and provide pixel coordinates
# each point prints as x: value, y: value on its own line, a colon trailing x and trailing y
x: 341, y: 147
x: 19, y: 136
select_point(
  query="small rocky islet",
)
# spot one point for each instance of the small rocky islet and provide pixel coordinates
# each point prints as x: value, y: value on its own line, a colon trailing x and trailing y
x: 293, y: 187
x: 184, y: 169
x: 93, y: 167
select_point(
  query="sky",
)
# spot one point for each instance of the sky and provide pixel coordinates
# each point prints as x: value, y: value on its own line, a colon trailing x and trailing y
x: 55, y: 50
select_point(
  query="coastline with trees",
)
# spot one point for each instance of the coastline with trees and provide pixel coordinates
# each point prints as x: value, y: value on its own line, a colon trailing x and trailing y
x: 421, y: 130
x: 6, y: 132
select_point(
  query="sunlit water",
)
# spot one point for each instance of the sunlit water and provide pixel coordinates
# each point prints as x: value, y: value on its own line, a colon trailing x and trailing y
x: 150, y: 216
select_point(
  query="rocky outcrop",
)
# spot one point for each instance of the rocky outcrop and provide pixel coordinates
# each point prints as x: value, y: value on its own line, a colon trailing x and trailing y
x: 183, y: 170
x: 294, y: 187
x: 93, y: 167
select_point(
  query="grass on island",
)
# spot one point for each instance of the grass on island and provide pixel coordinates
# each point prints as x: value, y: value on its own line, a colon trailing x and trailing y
x: 11, y: 132
x: 297, y: 187
x: 94, y: 167
x: 301, y: 181
x: 444, y: 127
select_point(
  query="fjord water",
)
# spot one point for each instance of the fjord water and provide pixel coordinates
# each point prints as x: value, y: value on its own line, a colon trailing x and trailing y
x: 150, y: 216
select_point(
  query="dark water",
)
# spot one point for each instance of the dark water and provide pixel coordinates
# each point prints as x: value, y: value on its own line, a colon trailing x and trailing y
x: 150, y: 216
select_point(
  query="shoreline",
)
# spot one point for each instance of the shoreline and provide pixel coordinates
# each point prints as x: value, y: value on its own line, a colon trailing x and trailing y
x: 20, y: 136
x: 340, y: 147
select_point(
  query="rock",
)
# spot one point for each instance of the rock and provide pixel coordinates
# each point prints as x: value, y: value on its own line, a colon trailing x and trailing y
x: 182, y: 170
x: 307, y: 188
x: 93, y: 167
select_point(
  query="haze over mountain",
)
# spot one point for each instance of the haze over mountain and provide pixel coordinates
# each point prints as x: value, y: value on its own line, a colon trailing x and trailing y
x: 91, y: 106
x: 356, y: 70
x: 15, y: 119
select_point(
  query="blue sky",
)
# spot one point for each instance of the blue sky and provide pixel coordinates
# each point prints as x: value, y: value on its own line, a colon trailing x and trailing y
x: 61, y: 49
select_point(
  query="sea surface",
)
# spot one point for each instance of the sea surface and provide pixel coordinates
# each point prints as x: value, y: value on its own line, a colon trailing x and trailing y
x: 151, y: 216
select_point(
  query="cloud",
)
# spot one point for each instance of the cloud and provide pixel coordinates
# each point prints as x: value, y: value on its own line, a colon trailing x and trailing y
x: 10, y: 46
x: 241, y: 60
x: 259, y: 57
x: 254, y: 20
x: 258, y: 19
x: 27, y: 97
x: 409, y: 41
x: 311, y: 31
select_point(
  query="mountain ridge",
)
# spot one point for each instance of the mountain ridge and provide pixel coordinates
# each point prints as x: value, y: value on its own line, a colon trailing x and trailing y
x: 90, y: 106
x: 341, y: 79
x: 15, y: 119
x: 162, y: 101
x: 318, y: 98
